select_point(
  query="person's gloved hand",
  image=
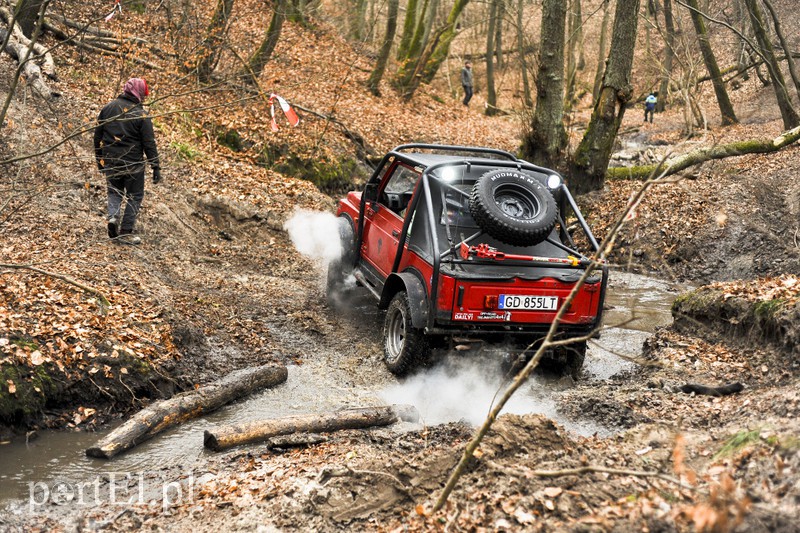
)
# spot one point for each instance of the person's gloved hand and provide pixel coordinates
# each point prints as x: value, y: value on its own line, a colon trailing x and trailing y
x: 156, y: 175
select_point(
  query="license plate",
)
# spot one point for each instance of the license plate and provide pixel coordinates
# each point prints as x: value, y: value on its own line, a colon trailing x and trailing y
x: 528, y: 302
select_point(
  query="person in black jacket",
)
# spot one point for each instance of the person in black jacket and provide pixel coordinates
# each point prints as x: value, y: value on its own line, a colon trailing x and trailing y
x: 123, y: 138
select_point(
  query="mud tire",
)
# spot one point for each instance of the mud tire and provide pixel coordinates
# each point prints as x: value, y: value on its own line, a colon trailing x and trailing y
x: 513, y: 207
x: 404, y: 346
x: 576, y: 354
x: 340, y: 269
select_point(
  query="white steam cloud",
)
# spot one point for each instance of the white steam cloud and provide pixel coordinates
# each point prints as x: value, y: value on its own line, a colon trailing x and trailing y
x: 464, y: 388
x: 315, y: 234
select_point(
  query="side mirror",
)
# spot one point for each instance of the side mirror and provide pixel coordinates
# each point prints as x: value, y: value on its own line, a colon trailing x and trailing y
x: 371, y: 192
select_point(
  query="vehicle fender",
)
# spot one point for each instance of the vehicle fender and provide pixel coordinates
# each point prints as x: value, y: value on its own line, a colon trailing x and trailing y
x: 417, y: 297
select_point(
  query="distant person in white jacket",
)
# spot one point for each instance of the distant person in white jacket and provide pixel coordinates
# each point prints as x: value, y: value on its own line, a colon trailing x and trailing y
x: 650, y: 106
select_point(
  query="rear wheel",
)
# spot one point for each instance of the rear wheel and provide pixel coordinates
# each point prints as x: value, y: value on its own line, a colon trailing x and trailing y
x: 575, y: 354
x: 404, y: 346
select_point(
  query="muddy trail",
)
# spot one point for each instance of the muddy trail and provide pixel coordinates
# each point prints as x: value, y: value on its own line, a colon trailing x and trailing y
x: 338, y: 366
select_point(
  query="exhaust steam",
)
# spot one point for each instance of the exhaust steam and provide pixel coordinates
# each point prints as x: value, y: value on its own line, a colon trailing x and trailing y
x: 315, y: 234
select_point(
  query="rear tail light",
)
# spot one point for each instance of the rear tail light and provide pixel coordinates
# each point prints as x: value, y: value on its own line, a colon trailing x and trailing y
x: 490, y: 302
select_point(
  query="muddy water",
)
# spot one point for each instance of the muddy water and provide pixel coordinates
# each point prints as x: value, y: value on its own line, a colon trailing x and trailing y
x: 343, y: 369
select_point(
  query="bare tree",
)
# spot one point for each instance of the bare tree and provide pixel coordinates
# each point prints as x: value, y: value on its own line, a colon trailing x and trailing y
x: 786, y: 49
x: 669, y: 55
x: 409, y: 25
x: 594, y: 151
x: 526, y: 86
x: 383, y: 56
x: 264, y: 51
x: 547, y: 138
x: 208, y: 54
x: 788, y: 113
x: 724, y: 102
x: 491, y: 95
x: 601, y: 55
x: 498, y: 32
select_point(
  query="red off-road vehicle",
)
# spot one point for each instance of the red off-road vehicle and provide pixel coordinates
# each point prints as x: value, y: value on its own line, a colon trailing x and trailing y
x: 470, y: 243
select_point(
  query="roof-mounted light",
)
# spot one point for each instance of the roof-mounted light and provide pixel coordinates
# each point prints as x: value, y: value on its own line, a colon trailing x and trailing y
x: 449, y: 174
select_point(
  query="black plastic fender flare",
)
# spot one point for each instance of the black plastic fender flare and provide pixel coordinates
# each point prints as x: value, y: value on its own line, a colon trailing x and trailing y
x: 417, y: 295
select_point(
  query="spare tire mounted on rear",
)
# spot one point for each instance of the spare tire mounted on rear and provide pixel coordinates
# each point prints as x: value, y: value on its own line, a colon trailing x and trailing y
x: 513, y: 207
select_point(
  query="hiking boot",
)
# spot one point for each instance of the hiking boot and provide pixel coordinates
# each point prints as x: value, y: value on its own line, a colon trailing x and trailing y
x: 113, y: 224
x: 129, y: 238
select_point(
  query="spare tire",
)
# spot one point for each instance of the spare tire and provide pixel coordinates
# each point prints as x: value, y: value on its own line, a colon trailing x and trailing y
x: 513, y: 207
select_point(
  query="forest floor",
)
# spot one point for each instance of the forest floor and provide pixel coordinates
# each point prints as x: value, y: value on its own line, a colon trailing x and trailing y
x: 218, y: 285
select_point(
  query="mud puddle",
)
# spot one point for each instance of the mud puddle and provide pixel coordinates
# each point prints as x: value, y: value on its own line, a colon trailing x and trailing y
x: 344, y: 369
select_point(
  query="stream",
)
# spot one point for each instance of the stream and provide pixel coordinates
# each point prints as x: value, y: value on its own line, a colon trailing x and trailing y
x: 459, y: 388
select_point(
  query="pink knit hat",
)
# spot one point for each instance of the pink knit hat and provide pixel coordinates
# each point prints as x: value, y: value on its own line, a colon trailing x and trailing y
x: 136, y: 87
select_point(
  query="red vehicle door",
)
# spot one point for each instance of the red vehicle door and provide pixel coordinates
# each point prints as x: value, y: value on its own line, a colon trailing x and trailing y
x: 383, y: 220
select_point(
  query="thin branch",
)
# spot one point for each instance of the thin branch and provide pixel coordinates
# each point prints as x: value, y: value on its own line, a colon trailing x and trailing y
x: 588, y: 469
x: 604, y: 250
x: 103, y: 302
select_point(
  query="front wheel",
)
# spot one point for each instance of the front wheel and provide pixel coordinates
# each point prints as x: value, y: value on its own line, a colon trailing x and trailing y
x: 403, y: 345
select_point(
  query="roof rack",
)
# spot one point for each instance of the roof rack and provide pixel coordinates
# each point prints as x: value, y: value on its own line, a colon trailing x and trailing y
x: 455, y: 148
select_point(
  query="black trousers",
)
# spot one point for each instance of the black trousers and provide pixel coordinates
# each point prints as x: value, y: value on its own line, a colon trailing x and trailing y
x: 129, y: 187
x: 467, y: 94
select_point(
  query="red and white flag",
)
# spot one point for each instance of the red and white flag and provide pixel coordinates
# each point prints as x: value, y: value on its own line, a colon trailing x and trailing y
x: 117, y: 9
x: 291, y: 116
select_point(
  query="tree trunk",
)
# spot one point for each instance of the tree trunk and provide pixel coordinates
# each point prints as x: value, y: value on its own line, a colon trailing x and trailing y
x: 578, y: 14
x: 442, y: 48
x: 235, y: 435
x: 167, y: 413
x: 724, y: 102
x: 433, y: 14
x: 547, y: 138
x: 669, y: 54
x: 601, y: 56
x: 209, y: 50
x: 271, y: 37
x: 526, y: 85
x: 491, y: 95
x: 786, y: 49
x: 594, y: 151
x: 788, y: 113
x: 383, y: 56
x: 498, y: 29
x: 27, y: 12
x: 415, y: 48
x: 423, y: 69
x: 358, y: 16
x: 721, y: 151
x: 409, y: 25
x: 573, y: 27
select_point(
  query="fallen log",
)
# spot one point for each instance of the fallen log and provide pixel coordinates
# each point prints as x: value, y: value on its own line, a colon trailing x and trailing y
x: 185, y: 406
x: 261, y: 430
x: 723, y: 390
x: 701, y: 155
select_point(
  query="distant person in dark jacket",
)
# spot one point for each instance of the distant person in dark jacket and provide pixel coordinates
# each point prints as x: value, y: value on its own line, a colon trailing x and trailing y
x: 123, y: 138
x: 466, y: 82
